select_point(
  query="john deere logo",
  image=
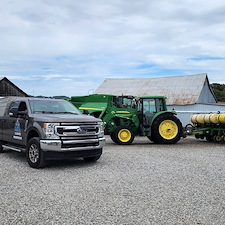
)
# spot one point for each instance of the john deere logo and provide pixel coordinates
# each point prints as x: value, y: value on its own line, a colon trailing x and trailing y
x: 81, y: 130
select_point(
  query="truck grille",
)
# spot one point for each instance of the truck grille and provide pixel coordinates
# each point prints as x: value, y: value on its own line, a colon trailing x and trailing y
x: 77, y: 130
x: 80, y: 143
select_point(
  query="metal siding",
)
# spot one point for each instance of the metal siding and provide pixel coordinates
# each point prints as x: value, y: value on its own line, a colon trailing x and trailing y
x: 184, y: 112
x: 206, y: 95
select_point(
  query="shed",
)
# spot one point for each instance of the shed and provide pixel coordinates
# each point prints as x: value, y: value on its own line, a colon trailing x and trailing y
x: 7, y: 88
x: 186, y: 94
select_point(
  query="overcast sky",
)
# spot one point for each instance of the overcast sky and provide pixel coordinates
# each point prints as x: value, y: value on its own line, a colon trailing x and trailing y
x: 69, y: 47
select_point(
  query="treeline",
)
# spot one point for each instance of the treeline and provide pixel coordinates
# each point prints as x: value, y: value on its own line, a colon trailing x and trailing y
x: 219, y: 91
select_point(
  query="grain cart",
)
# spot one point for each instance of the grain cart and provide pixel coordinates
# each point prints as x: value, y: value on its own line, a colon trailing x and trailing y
x: 209, y: 126
x: 125, y: 117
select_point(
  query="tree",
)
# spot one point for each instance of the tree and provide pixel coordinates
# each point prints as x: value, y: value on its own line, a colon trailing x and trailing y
x: 219, y: 91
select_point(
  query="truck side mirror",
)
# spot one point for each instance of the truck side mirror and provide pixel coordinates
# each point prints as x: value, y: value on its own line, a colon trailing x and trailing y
x: 13, y: 112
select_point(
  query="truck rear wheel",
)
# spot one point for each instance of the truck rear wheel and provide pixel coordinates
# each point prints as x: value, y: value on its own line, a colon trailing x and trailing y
x: 166, y: 129
x: 34, y: 154
x: 123, y: 135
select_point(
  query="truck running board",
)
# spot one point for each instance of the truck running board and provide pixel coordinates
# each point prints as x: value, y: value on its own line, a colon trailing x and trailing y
x: 18, y: 149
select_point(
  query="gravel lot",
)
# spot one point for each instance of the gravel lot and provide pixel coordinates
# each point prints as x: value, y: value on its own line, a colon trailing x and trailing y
x: 143, y: 183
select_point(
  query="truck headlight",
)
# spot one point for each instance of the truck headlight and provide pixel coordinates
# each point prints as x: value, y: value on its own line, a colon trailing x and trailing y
x: 101, y: 129
x: 49, y: 130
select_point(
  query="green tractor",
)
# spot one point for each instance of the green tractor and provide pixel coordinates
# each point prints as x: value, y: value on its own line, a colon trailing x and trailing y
x: 125, y: 117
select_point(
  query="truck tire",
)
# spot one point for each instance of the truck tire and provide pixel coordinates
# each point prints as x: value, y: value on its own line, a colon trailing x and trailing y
x: 166, y: 129
x: 34, y: 154
x: 122, y: 135
x: 92, y: 159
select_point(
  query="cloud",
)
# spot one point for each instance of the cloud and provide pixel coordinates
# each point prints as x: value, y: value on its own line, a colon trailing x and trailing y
x: 71, y: 46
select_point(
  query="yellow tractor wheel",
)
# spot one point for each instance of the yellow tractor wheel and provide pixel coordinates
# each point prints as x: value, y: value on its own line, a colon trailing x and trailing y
x: 166, y: 129
x: 123, y: 135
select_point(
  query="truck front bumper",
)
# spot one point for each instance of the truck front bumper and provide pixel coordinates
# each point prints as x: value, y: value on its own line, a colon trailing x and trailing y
x: 71, y: 145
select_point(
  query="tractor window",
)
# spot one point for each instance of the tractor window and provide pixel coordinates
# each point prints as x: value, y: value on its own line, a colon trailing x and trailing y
x: 149, y: 105
x: 160, y: 105
x: 149, y: 108
x: 123, y: 102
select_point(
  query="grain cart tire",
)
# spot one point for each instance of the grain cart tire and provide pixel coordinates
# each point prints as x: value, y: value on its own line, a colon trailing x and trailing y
x: 1, y: 148
x: 34, y: 153
x: 166, y: 129
x: 112, y: 135
x: 151, y: 139
x: 123, y: 135
x: 92, y: 159
x: 209, y: 138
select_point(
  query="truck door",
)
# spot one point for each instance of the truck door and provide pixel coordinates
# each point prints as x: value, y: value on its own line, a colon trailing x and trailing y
x: 14, y: 126
x: 1, y: 124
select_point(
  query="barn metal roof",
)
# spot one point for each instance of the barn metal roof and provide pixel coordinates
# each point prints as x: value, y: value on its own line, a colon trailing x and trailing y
x: 179, y: 90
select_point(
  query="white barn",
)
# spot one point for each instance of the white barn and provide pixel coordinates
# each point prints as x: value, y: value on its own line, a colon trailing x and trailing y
x: 186, y: 94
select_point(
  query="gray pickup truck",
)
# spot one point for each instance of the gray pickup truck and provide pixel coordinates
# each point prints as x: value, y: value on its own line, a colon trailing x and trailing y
x: 48, y: 129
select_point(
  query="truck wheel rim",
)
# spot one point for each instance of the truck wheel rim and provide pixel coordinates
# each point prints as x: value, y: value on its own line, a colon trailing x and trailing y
x: 168, y: 129
x: 124, y: 135
x: 33, y: 153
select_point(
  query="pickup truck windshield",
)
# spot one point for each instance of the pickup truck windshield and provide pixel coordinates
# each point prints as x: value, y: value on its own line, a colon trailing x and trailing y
x: 45, y: 106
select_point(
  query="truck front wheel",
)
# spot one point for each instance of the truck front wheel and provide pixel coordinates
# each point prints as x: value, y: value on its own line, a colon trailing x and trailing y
x: 34, y: 154
x: 122, y: 135
x: 166, y: 129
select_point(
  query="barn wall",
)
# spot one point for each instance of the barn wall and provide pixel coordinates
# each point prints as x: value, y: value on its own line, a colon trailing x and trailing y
x: 184, y: 112
x: 206, y: 95
x: 7, y: 89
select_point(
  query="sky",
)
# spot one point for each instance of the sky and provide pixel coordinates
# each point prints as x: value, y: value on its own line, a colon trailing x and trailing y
x: 69, y: 47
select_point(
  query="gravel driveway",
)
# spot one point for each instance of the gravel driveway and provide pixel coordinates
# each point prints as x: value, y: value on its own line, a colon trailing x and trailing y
x: 143, y: 183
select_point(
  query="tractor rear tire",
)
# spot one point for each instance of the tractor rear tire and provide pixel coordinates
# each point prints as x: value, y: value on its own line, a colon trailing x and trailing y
x: 166, y: 129
x: 123, y: 135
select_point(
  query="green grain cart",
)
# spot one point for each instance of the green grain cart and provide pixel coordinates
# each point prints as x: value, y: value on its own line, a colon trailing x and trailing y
x: 125, y: 117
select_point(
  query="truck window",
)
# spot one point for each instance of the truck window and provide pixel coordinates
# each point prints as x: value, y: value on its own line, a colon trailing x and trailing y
x: 44, y: 106
x: 22, y: 106
x: 13, y: 105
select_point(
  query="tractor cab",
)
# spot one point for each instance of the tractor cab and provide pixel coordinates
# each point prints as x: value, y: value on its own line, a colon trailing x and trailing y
x: 148, y: 107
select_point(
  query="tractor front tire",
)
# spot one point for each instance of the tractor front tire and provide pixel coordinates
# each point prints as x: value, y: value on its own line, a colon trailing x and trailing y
x: 166, y: 129
x: 122, y: 135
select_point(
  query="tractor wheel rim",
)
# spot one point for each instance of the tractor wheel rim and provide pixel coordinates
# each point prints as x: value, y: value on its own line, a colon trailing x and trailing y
x: 168, y: 129
x: 124, y: 135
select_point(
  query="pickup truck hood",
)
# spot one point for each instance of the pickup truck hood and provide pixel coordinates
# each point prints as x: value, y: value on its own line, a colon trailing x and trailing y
x: 64, y: 118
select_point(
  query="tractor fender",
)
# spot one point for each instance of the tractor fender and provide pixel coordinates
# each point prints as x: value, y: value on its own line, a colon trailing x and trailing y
x: 160, y: 113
